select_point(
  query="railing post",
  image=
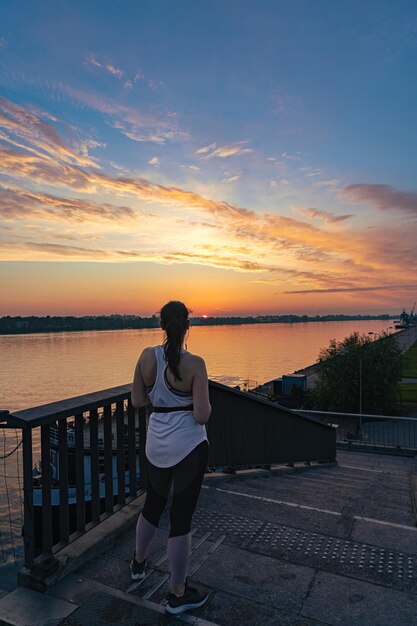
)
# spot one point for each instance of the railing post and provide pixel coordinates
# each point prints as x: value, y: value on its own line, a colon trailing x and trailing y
x: 108, y: 463
x: 47, y: 539
x: 94, y: 466
x: 121, y: 482
x: 79, y: 472
x: 142, y: 445
x: 131, y: 430
x: 28, y: 529
x: 63, y: 480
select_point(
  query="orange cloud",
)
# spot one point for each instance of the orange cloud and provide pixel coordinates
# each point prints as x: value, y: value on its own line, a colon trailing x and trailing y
x: 232, y: 237
x: 355, y: 289
x: 22, y: 204
x: 22, y: 123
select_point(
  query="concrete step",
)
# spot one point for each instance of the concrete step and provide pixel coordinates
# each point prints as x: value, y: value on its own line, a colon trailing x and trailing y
x: 24, y: 607
x: 102, y: 605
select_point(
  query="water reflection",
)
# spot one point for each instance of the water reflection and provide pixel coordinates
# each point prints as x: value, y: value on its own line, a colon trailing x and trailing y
x: 40, y: 368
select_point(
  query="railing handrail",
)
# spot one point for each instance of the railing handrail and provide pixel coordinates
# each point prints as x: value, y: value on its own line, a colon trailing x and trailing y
x: 47, y: 413
x: 387, y: 417
x: 259, y: 400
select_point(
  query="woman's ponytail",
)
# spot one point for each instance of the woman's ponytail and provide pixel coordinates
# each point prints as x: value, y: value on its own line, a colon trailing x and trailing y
x: 174, y: 321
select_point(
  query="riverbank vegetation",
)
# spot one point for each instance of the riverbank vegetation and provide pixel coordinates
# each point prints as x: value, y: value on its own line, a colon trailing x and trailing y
x: 52, y: 324
x: 359, y: 373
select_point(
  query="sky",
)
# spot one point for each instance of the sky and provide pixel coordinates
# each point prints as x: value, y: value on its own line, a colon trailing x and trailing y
x: 244, y: 157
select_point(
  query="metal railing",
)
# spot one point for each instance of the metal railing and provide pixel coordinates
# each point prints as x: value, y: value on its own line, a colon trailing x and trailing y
x: 92, y: 456
x: 80, y: 478
x: 384, y: 431
x: 245, y: 430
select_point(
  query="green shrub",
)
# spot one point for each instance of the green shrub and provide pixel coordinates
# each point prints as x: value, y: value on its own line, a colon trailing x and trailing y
x: 339, y: 380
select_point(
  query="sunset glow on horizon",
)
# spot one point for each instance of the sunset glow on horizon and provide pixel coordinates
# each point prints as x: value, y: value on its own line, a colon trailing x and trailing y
x: 244, y: 158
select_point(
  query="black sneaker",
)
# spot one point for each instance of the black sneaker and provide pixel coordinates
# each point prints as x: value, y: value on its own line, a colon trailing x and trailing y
x: 137, y: 570
x: 191, y: 599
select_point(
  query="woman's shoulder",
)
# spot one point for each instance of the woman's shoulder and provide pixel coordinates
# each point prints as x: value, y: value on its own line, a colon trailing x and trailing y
x: 193, y: 360
x: 148, y: 354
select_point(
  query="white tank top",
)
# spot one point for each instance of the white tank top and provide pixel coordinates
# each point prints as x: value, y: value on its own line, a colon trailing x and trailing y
x: 171, y: 436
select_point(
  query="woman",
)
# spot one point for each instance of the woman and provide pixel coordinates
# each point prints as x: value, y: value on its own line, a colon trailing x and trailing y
x: 175, y: 383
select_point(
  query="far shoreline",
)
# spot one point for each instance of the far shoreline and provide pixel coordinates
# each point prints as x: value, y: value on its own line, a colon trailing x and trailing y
x: 57, y: 324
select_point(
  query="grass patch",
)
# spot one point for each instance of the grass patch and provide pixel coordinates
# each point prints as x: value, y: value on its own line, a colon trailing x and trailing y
x: 408, y: 392
x: 410, y: 362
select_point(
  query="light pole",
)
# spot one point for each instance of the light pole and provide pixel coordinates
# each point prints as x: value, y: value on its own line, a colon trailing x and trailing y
x: 344, y: 352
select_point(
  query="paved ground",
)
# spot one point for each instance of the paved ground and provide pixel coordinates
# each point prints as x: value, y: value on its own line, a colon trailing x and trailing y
x: 326, y: 545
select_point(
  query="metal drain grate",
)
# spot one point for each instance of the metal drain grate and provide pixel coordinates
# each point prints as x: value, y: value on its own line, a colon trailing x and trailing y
x: 359, y: 560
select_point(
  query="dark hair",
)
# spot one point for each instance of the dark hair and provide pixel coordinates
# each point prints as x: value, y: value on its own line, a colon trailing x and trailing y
x: 174, y: 321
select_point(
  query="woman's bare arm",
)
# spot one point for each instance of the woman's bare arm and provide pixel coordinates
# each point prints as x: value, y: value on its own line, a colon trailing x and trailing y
x: 201, y: 403
x: 139, y: 396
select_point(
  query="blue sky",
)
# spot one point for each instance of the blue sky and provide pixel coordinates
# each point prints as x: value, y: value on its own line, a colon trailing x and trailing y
x: 246, y: 157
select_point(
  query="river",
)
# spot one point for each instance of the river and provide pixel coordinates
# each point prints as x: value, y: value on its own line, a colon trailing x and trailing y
x: 40, y: 368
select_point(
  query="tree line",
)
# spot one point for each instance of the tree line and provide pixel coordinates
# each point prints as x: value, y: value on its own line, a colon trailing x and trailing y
x: 33, y: 324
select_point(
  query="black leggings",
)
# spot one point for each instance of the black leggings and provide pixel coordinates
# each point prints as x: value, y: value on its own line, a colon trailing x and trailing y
x: 186, y: 477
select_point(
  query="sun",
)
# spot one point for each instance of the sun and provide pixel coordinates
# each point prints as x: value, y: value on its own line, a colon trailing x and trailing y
x: 205, y: 316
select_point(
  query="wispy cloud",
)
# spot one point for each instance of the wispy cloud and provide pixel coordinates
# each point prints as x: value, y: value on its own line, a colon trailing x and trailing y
x: 40, y: 137
x: 135, y: 124
x: 292, y: 157
x: 33, y: 153
x: 40, y: 251
x: 19, y: 204
x: 332, y: 182
x: 130, y: 82
x: 232, y: 179
x: 275, y: 233
x: 114, y: 71
x: 110, y: 68
x: 11, y: 250
x: 325, y: 215
x: 398, y: 287
x: 383, y: 197
x: 154, y: 161
x: 310, y: 171
x: 206, y: 149
x: 223, y: 152
x: 91, y: 60
x: 221, y: 261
